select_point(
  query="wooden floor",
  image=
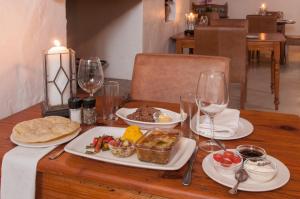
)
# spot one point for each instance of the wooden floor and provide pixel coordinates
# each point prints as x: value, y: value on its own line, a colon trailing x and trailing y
x: 259, y: 93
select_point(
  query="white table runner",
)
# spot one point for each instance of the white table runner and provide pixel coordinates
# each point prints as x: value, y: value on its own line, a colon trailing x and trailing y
x: 19, y: 172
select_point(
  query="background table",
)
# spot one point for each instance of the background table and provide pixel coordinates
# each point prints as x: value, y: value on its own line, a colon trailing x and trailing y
x: 264, y: 41
x: 71, y: 176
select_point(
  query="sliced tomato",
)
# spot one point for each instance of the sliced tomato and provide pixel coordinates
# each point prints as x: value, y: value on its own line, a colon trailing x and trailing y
x: 236, y: 159
x: 218, y: 157
x: 107, y: 139
x: 226, y: 162
x: 95, y: 140
x: 228, y: 154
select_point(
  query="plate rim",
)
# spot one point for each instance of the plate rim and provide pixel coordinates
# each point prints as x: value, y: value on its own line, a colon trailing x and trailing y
x: 219, y: 181
x: 175, y: 166
x: 148, y: 123
x: 234, y: 137
x: 55, y: 142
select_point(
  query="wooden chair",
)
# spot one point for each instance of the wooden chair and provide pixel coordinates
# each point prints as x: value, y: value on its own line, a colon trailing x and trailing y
x: 262, y: 23
x: 164, y: 77
x: 239, y: 23
x: 228, y: 42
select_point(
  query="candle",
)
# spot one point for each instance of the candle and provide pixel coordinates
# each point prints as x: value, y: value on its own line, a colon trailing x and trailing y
x: 190, y: 20
x: 263, y: 7
x: 58, y: 70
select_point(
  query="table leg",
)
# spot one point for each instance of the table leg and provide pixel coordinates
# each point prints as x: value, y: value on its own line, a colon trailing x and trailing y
x: 276, y: 73
x: 179, y: 49
x: 272, y: 72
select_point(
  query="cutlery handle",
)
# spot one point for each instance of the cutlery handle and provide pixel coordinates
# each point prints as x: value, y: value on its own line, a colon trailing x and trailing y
x: 234, y: 189
x: 187, y: 178
x: 56, y: 155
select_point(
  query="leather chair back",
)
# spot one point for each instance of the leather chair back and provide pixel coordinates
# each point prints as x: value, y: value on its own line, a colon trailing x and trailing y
x: 260, y: 23
x: 227, y: 42
x: 164, y: 77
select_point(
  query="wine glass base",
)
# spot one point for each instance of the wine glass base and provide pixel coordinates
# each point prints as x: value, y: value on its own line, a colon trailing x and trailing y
x: 209, y: 146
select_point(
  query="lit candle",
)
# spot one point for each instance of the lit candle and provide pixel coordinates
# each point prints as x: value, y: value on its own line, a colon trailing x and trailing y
x: 263, y: 7
x: 58, y: 70
x: 190, y: 19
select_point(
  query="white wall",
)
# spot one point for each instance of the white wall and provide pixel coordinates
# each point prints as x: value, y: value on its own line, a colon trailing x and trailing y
x: 27, y: 28
x: 240, y: 8
x: 157, y: 32
x: 111, y: 30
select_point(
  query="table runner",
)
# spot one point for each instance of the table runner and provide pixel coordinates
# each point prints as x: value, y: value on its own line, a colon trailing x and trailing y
x: 19, y: 172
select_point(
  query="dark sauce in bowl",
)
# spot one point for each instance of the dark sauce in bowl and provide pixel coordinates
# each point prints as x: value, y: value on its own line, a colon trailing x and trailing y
x: 250, y: 153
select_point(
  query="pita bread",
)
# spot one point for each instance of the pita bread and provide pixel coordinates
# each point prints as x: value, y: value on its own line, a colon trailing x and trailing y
x: 44, y: 129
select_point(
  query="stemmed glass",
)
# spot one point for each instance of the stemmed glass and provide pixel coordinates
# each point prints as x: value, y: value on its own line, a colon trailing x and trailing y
x: 90, y: 75
x: 212, y: 98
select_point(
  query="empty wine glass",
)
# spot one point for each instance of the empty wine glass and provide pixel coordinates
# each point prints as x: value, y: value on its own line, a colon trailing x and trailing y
x: 212, y: 98
x: 90, y: 75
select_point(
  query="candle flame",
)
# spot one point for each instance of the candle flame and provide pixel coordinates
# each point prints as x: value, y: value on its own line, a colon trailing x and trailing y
x: 263, y: 6
x: 56, y: 43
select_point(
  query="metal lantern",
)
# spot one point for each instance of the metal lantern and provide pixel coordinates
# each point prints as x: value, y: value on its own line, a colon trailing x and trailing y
x: 59, y: 80
x: 190, y: 19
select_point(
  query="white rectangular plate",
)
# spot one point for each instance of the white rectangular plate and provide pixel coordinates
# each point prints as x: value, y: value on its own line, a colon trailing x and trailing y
x: 183, y: 150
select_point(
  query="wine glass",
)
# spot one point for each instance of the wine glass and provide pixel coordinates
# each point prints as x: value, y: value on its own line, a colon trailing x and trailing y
x: 212, y: 98
x: 90, y: 75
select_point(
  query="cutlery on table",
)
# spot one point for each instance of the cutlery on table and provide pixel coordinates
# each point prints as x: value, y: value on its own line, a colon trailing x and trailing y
x: 56, y: 155
x: 241, y: 176
x: 222, y: 146
x: 187, y: 177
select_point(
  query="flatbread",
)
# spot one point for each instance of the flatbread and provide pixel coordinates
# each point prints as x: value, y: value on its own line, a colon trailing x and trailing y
x: 44, y: 129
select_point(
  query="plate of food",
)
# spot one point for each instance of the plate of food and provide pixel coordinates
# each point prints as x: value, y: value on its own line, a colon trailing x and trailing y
x: 154, y: 149
x: 44, y: 132
x: 149, y: 117
x: 264, y: 174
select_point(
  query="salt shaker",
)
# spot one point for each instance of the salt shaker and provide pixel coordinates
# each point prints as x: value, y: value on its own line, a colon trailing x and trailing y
x: 89, y: 110
x: 75, y: 109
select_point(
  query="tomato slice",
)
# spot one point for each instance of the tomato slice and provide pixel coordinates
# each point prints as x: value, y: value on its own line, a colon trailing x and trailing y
x: 226, y: 162
x: 218, y: 157
x: 95, y: 140
x: 228, y: 154
x: 236, y: 159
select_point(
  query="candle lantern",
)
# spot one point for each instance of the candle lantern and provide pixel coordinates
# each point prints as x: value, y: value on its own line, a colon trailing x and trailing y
x: 190, y: 19
x: 59, y: 79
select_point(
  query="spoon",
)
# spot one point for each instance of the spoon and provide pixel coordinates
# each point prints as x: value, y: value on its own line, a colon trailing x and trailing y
x: 241, y: 176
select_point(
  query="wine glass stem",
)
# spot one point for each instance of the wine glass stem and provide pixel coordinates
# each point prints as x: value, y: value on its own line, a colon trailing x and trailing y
x: 212, y: 127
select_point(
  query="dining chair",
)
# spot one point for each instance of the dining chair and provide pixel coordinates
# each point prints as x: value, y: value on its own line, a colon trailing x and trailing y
x: 165, y: 77
x: 262, y: 23
x: 227, y: 42
x: 229, y: 23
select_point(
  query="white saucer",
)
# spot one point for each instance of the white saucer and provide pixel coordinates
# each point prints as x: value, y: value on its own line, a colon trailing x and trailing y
x: 278, y: 181
x: 245, y: 128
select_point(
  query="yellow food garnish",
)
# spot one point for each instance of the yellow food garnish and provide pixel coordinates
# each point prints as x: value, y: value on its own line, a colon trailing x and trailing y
x: 164, y: 118
x: 132, y: 133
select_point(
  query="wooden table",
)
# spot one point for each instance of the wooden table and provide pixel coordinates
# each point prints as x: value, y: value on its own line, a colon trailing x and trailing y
x: 72, y: 176
x: 264, y: 41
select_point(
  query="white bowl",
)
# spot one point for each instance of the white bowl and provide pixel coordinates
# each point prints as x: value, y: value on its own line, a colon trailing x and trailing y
x: 266, y: 173
x: 231, y: 170
x: 123, y: 112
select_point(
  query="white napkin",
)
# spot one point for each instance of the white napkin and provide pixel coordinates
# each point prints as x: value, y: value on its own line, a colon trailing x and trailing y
x: 19, y: 172
x: 226, y: 123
